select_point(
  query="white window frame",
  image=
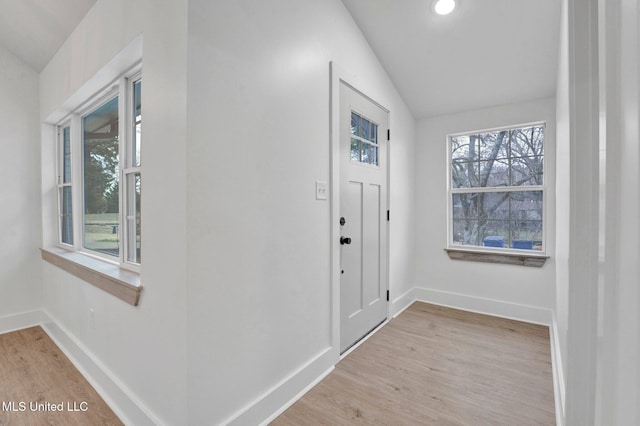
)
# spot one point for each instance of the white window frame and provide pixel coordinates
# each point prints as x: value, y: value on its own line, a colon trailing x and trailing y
x: 122, y: 88
x: 451, y: 191
x: 128, y: 168
x: 60, y: 184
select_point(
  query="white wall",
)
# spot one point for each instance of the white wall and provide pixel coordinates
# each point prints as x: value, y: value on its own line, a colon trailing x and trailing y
x: 20, y: 173
x: 259, y: 248
x: 521, y: 292
x: 242, y: 216
x: 563, y: 187
x: 597, y: 279
x: 144, y: 348
x: 618, y: 382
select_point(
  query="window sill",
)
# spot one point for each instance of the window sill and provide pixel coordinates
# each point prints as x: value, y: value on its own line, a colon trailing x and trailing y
x: 123, y: 284
x: 536, y: 260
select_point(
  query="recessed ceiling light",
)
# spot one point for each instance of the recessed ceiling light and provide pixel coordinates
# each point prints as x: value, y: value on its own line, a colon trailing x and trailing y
x: 444, y: 7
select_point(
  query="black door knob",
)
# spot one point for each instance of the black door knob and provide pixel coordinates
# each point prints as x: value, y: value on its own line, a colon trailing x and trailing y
x: 345, y: 240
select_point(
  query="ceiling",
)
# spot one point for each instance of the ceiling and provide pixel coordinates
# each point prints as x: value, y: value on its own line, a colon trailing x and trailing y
x: 486, y: 53
x: 34, y: 30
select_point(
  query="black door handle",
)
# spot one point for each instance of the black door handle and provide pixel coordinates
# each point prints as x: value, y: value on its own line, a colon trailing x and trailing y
x: 345, y: 240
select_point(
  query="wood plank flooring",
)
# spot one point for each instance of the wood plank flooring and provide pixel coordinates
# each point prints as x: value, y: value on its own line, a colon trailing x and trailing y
x: 437, y: 366
x: 36, y: 378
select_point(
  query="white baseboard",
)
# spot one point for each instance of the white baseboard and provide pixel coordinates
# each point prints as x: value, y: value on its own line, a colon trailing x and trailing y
x: 281, y: 396
x: 558, y: 373
x: 400, y: 303
x: 114, y: 393
x: 117, y: 396
x: 297, y: 397
x: 21, y: 321
x: 480, y: 305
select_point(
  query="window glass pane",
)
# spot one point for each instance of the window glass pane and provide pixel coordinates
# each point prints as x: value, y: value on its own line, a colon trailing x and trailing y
x: 465, y: 232
x: 137, y: 122
x: 464, y: 174
x: 465, y: 206
x: 495, y: 233
x: 495, y: 205
x: 507, y: 158
x: 133, y: 217
x: 527, y: 142
x: 526, y: 235
x: 494, y: 173
x: 66, y: 155
x: 458, y: 209
x: 497, y: 219
x: 66, y: 218
x: 100, y: 173
x: 464, y: 148
x: 493, y: 145
x: 527, y: 171
x: 374, y: 133
x: 526, y: 205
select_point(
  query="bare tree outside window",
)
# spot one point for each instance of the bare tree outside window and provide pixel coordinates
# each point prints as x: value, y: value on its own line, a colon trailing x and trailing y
x: 497, y: 188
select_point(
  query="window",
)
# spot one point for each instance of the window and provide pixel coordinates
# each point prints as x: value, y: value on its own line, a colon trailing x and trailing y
x: 364, y: 140
x: 496, y: 190
x: 99, y: 174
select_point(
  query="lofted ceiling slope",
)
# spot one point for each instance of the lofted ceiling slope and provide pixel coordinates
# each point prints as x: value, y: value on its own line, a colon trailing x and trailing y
x: 486, y: 53
x: 34, y: 30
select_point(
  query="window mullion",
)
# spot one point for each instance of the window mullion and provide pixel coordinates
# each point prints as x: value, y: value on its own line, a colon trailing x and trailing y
x: 497, y: 189
x: 77, y: 197
x: 123, y: 132
x: 129, y: 170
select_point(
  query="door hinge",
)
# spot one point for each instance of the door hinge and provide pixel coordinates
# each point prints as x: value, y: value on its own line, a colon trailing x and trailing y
x: 387, y: 295
x: 388, y: 134
x: 388, y: 215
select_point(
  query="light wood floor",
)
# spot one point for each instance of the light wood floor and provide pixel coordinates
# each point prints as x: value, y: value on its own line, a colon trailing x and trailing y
x: 437, y: 366
x: 34, y: 371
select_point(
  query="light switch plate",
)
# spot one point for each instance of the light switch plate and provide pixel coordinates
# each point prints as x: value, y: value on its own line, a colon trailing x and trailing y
x: 321, y: 190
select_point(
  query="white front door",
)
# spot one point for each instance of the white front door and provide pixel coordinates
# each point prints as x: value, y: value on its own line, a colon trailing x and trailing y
x: 363, y: 211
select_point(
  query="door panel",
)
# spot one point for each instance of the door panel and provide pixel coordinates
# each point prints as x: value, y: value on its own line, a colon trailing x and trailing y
x: 351, y: 300
x: 371, y: 239
x: 363, y: 204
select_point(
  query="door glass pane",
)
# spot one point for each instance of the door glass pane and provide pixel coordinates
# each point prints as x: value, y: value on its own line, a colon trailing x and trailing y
x: 66, y: 218
x: 137, y: 122
x: 365, y: 153
x: 355, y: 123
x: 100, y: 173
x: 355, y: 149
x: 133, y: 218
x: 365, y: 127
x: 373, y: 155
